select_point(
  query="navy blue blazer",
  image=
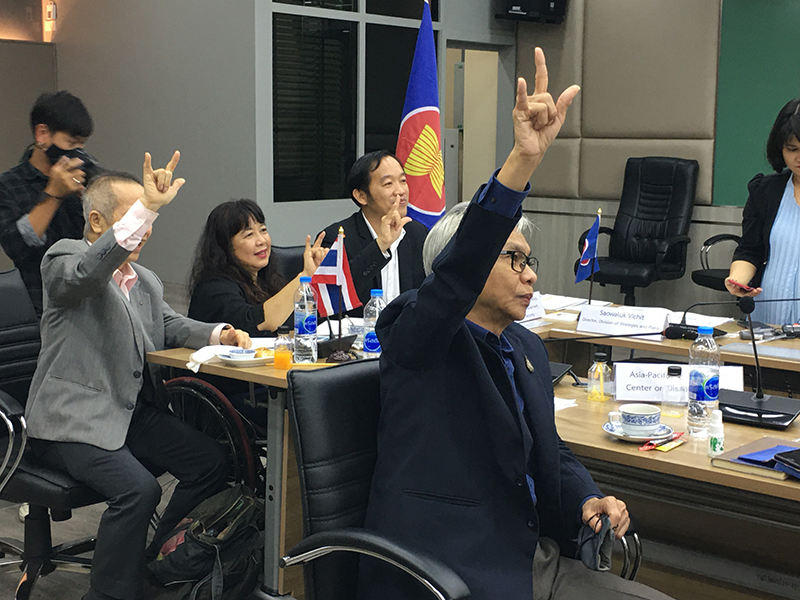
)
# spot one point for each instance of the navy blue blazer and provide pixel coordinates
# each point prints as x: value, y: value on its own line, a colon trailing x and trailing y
x: 452, y: 458
x: 367, y: 260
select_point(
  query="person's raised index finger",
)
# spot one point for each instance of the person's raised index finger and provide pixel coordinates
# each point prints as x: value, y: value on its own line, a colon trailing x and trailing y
x: 173, y: 162
x: 148, y: 163
x: 541, y: 71
x: 318, y: 241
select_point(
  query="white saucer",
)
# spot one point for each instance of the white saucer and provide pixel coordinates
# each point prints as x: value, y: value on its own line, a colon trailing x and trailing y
x: 660, y: 434
x: 246, y: 361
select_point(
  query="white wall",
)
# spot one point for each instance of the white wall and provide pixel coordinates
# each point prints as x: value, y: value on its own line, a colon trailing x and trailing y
x: 159, y: 76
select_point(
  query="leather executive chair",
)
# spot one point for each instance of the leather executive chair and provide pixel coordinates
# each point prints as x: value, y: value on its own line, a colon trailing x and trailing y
x: 650, y: 234
x: 50, y: 494
x: 289, y: 260
x: 334, y: 415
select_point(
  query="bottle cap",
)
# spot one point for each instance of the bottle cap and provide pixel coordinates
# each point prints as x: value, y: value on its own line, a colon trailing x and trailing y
x: 305, y: 279
x: 673, y: 371
x: 376, y: 292
x: 283, y: 330
x: 705, y: 330
x: 600, y: 357
x: 716, y: 427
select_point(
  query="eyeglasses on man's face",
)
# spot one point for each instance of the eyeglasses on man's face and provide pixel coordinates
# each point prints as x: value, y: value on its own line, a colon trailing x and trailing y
x: 519, y: 261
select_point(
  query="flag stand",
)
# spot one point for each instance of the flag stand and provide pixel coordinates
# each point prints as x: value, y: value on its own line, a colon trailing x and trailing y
x: 591, y: 280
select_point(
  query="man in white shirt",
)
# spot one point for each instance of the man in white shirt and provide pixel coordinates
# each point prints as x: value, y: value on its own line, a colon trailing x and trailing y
x: 384, y: 246
x: 96, y: 408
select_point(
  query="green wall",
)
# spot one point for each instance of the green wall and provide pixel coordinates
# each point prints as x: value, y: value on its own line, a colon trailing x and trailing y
x: 759, y: 72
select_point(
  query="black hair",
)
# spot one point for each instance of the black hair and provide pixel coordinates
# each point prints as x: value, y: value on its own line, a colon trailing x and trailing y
x: 214, y: 254
x: 362, y: 170
x: 62, y: 112
x: 787, y: 124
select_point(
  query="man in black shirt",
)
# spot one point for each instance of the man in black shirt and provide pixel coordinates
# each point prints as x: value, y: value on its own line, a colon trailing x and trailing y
x: 40, y: 198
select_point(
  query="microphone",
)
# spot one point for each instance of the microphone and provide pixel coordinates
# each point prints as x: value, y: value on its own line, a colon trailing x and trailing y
x: 758, y: 409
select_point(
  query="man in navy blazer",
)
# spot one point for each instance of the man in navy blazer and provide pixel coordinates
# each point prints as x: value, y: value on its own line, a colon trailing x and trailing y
x: 384, y: 246
x: 470, y: 467
x: 96, y: 408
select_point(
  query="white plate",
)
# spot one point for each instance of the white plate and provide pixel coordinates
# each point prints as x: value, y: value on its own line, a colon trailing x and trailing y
x: 662, y: 433
x: 229, y: 359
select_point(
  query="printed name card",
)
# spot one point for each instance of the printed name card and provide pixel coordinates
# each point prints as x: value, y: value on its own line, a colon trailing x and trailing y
x: 623, y: 320
x: 644, y: 382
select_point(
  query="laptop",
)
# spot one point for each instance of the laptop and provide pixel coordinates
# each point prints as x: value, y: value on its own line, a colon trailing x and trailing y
x: 558, y: 370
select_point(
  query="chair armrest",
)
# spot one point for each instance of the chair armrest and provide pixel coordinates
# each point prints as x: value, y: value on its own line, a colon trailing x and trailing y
x: 582, y: 239
x: 721, y: 237
x: 715, y: 239
x: 14, y: 432
x: 439, y: 579
x: 666, y: 244
x: 10, y: 407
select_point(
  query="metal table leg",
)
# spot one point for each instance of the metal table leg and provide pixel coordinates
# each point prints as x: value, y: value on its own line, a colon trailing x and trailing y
x: 272, y: 518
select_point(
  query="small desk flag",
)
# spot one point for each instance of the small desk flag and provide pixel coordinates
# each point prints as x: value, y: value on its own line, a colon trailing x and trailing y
x: 589, y: 264
x: 332, y: 272
x: 420, y: 140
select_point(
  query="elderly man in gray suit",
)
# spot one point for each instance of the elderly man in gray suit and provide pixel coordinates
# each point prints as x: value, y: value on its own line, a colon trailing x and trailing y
x: 96, y: 408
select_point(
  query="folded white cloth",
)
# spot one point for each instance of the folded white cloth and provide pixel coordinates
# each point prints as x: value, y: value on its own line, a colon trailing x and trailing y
x: 205, y: 354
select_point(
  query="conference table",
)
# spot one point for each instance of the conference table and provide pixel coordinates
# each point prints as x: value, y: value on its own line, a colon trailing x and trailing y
x: 682, y: 504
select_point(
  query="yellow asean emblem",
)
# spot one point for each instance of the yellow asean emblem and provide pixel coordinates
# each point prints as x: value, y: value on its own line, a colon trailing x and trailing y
x: 426, y: 159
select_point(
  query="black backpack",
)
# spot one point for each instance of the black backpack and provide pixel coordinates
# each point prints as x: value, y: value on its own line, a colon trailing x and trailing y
x: 216, y: 552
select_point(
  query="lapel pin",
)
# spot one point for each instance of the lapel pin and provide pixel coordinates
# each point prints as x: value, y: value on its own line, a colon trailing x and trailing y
x: 529, y: 365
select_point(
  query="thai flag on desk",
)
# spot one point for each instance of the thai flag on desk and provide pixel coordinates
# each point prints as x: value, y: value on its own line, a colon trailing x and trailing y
x: 420, y: 140
x: 332, y: 273
x: 589, y: 264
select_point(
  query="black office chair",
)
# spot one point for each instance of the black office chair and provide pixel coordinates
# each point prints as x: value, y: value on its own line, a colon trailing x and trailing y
x: 334, y: 416
x: 50, y: 494
x: 649, y: 239
x: 289, y: 260
x: 708, y: 277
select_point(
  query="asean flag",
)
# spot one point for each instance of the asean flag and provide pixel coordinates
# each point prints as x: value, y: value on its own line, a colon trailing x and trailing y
x: 419, y: 142
x: 588, y: 263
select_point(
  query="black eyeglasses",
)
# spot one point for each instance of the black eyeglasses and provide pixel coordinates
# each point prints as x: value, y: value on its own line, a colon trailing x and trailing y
x: 519, y: 261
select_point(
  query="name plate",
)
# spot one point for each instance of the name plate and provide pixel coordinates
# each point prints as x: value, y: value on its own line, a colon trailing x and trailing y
x: 623, y: 320
x: 644, y: 382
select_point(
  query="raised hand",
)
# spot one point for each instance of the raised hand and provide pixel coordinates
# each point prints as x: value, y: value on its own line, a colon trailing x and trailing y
x: 391, y: 226
x: 66, y: 178
x: 537, y: 120
x: 159, y: 188
x: 313, y: 255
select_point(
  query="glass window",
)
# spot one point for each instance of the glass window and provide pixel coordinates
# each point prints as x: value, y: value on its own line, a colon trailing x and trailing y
x: 314, y: 106
x: 390, y: 52
x: 411, y: 9
x: 334, y: 4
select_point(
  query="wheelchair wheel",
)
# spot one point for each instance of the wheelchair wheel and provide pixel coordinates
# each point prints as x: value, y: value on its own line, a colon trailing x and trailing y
x: 205, y: 408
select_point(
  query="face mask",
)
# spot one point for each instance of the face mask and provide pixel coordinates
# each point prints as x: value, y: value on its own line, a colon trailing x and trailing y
x: 54, y: 153
x: 90, y: 166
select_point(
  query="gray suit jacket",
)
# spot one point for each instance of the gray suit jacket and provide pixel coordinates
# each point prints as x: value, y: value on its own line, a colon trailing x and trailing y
x: 94, y: 340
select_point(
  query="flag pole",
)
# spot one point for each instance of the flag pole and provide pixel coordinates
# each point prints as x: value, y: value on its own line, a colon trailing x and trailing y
x: 339, y: 355
x: 594, y: 259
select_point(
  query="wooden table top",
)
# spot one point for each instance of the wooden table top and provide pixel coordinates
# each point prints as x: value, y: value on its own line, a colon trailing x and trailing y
x: 581, y: 428
x: 265, y: 375
x: 567, y: 331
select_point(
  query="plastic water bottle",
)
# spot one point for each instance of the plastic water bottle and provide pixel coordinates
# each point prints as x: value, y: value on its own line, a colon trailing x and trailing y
x: 305, y: 323
x: 703, y: 382
x: 372, y: 347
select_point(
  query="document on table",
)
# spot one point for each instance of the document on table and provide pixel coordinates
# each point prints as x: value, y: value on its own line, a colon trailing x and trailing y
x: 696, y: 320
x: 561, y: 403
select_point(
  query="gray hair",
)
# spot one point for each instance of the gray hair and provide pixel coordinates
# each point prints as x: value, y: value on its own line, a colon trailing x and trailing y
x: 99, y: 195
x: 446, y: 227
